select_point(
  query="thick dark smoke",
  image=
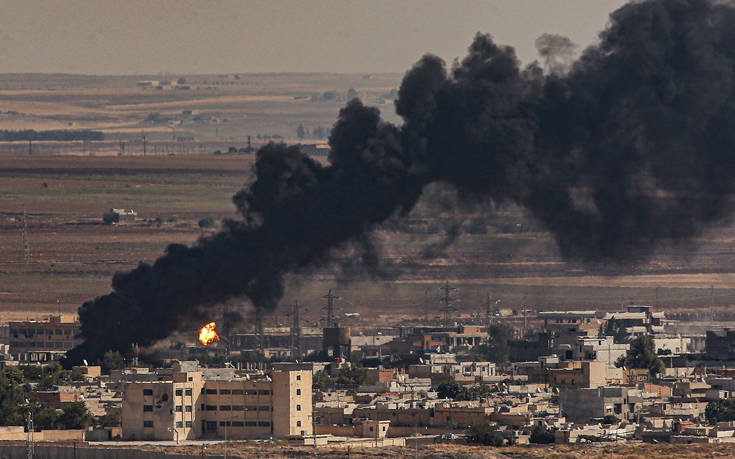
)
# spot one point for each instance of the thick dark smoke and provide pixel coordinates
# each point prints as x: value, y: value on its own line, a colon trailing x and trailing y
x: 632, y: 145
x: 556, y: 51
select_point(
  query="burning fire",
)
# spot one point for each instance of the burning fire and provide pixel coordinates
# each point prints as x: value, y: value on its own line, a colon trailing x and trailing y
x: 208, y: 334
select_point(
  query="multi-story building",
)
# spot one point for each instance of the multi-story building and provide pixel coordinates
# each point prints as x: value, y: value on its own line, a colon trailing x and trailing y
x: 187, y: 405
x: 38, y: 341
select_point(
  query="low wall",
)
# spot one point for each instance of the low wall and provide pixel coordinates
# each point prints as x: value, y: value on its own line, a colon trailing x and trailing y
x: 70, y: 452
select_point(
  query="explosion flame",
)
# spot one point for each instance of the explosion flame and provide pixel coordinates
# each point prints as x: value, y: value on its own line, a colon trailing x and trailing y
x: 208, y: 334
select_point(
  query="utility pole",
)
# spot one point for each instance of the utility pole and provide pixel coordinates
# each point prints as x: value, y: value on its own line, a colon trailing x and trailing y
x: 30, y: 444
x: 488, y: 313
x: 24, y: 237
x: 259, y: 326
x: 330, y: 307
x: 447, y: 299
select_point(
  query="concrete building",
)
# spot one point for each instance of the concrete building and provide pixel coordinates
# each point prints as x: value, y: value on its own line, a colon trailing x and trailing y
x: 573, y: 374
x: 40, y: 341
x: 720, y: 344
x: 587, y: 404
x: 194, y: 404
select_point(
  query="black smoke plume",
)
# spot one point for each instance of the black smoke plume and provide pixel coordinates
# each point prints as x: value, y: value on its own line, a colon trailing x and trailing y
x: 631, y: 145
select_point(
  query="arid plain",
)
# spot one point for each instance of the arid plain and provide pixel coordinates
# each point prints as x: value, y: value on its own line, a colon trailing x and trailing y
x: 64, y: 189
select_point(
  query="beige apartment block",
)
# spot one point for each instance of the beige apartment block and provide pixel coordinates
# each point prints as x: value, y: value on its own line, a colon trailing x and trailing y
x: 186, y: 406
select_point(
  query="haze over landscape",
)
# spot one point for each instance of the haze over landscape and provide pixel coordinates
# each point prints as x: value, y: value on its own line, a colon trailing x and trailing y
x: 195, y: 37
x: 487, y: 183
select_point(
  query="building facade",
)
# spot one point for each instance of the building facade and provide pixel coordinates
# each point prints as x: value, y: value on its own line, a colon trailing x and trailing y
x: 39, y: 341
x: 185, y: 405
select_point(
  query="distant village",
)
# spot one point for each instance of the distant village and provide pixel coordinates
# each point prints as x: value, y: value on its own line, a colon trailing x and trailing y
x: 508, y: 378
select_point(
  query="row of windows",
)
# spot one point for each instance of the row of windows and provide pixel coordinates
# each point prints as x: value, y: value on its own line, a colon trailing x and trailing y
x: 43, y: 344
x: 244, y: 424
x: 181, y: 424
x: 40, y: 331
x: 180, y: 392
x: 236, y: 392
x: 236, y: 408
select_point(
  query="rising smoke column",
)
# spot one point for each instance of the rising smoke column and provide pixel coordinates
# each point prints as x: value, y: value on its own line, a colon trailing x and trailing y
x: 633, y: 145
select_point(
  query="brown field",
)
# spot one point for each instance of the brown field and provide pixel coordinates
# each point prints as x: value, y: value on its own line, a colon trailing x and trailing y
x: 633, y: 450
x: 223, y: 106
x: 65, y: 188
x: 72, y: 255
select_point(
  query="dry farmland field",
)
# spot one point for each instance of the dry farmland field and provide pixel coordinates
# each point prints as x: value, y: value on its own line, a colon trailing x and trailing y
x: 71, y: 255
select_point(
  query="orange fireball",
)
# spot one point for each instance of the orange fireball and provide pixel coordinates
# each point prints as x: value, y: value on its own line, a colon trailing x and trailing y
x: 208, y: 334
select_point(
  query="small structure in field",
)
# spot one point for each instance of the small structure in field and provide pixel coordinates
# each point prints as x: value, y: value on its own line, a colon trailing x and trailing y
x: 116, y: 215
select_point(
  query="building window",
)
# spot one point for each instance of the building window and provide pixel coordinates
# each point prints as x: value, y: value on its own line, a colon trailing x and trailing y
x: 264, y: 408
x: 188, y: 424
x: 264, y: 392
x: 237, y: 392
x: 147, y: 407
x: 179, y: 408
x: 211, y: 391
x: 237, y: 423
x: 225, y: 424
x: 147, y: 423
x: 224, y: 391
x: 179, y: 424
x: 298, y: 391
x: 298, y: 377
x: 298, y: 407
x: 264, y: 424
x: 188, y: 408
x: 211, y: 407
x: 188, y: 392
x: 225, y: 408
x: 179, y: 392
x: 250, y: 423
x: 371, y: 428
x: 147, y: 391
x: 237, y: 408
x: 298, y: 423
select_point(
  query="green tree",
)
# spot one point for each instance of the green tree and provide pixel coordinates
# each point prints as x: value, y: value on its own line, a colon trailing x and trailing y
x: 541, y: 435
x: 322, y: 381
x: 111, y: 418
x: 351, y: 376
x: 720, y: 411
x: 643, y: 355
x: 484, y: 434
x: 448, y: 390
x: 44, y: 417
x: 75, y: 415
x: 496, y: 349
x: 112, y: 360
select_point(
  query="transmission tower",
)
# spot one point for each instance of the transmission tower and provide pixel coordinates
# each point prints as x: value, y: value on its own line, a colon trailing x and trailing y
x: 24, y: 237
x: 295, y: 332
x: 330, y: 307
x: 448, y: 301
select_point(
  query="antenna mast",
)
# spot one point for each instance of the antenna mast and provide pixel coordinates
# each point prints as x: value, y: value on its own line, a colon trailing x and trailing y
x: 448, y: 300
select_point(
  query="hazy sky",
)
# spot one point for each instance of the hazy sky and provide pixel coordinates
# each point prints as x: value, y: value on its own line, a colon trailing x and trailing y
x: 198, y: 36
